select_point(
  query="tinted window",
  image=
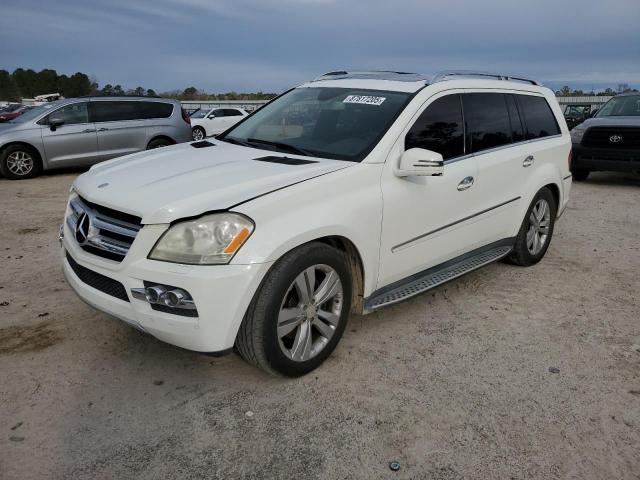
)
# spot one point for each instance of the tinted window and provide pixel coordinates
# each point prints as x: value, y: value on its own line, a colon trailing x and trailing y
x: 115, y: 111
x: 487, y: 120
x: 232, y: 112
x: 217, y: 113
x: 156, y: 109
x: 538, y: 117
x: 439, y: 128
x: 517, y: 128
x: 71, y: 114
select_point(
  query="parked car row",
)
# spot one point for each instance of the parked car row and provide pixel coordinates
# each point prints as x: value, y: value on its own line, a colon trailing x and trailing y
x: 12, y: 111
x: 84, y: 131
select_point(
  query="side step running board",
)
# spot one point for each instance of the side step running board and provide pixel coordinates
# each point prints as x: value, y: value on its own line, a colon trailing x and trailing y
x: 435, y: 276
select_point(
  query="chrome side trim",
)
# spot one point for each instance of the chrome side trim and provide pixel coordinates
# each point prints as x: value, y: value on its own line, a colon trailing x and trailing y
x: 501, y: 147
x: 420, y: 237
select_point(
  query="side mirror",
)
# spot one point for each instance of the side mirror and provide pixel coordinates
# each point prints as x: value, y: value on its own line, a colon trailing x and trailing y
x: 420, y: 162
x: 55, y: 122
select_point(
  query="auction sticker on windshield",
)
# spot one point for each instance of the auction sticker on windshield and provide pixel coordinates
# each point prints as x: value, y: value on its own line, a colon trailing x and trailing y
x: 364, y: 99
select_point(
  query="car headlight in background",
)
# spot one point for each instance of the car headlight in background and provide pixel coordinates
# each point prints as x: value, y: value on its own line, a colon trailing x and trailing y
x: 576, y: 134
x: 209, y: 240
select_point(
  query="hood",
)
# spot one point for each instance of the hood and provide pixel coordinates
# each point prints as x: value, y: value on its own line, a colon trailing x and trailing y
x: 181, y: 181
x: 612, y: 121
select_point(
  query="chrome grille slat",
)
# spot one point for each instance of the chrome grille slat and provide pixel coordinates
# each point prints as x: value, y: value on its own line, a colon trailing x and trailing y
x: 98, y: 237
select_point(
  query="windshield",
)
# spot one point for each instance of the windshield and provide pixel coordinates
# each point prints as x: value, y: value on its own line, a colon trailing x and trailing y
x: 624, y: 106
x: 199, y: 114
x: 35, y: 112
x: 339, y: 123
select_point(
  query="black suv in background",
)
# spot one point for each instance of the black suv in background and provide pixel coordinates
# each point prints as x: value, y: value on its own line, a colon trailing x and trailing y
x: 610, y: 141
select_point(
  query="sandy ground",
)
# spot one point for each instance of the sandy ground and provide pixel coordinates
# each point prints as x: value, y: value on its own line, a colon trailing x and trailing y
x: 452, y: 384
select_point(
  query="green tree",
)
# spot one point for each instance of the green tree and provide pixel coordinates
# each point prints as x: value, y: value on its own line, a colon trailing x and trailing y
x: 189, y: 93
x: 8, y: 89
x: 117, y: 90
x: 139, y: 92
x: 151, y: 92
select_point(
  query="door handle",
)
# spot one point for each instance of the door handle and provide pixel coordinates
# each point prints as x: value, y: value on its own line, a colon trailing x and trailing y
x: 465, y: 183
x: 528, y: 161
x: 103, y: 129
x: 88, y: 130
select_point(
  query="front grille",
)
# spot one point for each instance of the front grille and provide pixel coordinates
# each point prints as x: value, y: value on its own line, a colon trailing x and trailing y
x: 622, y: 138
x: 102, y: 231
x: 98, y: 281
x: 610, y: 155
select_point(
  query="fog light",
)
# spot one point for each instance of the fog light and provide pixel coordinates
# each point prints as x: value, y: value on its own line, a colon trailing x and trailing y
x: 173, y: 298
x: 154, y: 294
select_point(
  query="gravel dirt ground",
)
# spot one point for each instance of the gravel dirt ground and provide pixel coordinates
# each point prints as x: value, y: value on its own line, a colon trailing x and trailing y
x: 455, y: 383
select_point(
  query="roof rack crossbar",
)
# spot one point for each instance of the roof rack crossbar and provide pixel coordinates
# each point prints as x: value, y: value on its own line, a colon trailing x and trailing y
x: 442, y: 76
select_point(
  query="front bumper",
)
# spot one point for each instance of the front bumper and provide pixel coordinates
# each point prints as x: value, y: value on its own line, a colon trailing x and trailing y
x: 222, y: 293
x: 605, y: 159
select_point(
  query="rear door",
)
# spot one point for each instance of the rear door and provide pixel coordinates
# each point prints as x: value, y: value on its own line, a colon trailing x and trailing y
x: 496, y: 138
x: 72, y: 143
x: 121, y: 128
x: 232, y: 116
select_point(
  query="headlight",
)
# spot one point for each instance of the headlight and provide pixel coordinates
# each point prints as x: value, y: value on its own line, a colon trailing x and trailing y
x: 577, y: 134
x: 209, y: 240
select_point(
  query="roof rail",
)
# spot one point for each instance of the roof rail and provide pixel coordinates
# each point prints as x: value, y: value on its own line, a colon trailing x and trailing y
x: 443, y: 76
x: 373, y: 75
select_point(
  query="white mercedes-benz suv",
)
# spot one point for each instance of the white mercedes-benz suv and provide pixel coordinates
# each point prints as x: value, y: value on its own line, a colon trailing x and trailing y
x: 348, y: 193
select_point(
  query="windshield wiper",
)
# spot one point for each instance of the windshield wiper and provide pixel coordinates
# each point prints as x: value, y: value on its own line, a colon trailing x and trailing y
x: 283, y: 146
x: 234, y: 141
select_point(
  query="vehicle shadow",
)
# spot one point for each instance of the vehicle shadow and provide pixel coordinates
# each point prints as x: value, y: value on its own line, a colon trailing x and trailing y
x: 613, y: 178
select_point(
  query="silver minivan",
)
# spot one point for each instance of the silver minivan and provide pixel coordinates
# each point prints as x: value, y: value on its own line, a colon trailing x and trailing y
x: 84, y: 131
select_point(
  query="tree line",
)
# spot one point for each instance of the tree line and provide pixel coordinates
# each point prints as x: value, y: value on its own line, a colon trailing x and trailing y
x: 567, y: 91
x: 27, y: 83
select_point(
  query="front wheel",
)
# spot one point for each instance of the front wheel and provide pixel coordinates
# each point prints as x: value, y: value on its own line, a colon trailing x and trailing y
x: 19, y: 162
x: 536, y: 230
x: 299, y: 312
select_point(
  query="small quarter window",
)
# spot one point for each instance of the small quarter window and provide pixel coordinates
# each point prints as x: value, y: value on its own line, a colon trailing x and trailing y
x: 538, y: 117
x: 439, y: 128
x: 156, y: 109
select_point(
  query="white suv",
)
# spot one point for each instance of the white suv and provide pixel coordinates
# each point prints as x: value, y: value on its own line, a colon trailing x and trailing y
x: 345, y: 194
x: 205, y: 123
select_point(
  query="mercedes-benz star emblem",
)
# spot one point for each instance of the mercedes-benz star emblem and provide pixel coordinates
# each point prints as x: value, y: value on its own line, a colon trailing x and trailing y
x: 615, y: 138
x: 82, y: 228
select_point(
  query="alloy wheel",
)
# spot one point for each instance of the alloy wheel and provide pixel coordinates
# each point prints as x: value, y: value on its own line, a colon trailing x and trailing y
x: 310, y: 312
x: 20, y: 163
x: 198, y: 134
x: 539, y: 227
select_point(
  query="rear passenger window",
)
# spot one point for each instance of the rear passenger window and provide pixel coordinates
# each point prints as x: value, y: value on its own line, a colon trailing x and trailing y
x: 156, y: 109
x: 487, y: 120
x: 439, y: 128
x: 538, y: 117
x: 517, y: 129
x: 232, y: 112
x: 114, y: 111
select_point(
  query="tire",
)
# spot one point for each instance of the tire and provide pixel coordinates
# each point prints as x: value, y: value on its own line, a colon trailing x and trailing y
x: 523, y: 254
x: 267, y: 342
x: 198, y: 133
x: 18, y: 162
x: 580, y: 174
x: 158, y: 143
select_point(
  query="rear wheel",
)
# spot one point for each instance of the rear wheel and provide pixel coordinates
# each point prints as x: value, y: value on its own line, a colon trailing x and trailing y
x: 299, y: 313
x: 580, y: 174
x: 19, y: 162
x: 158, y: 143
x: 536, y: 230
x: 198, y: 133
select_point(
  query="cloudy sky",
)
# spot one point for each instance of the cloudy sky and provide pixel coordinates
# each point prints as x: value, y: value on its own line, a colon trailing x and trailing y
x: 268, y: 45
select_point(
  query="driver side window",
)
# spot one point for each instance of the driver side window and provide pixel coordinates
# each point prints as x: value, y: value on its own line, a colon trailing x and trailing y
x: 71, y: 114
x: 439, y: 128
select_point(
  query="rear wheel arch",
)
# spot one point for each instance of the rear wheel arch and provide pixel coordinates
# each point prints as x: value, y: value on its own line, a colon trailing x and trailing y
x: 165, y: 138
x: 555, y: 191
